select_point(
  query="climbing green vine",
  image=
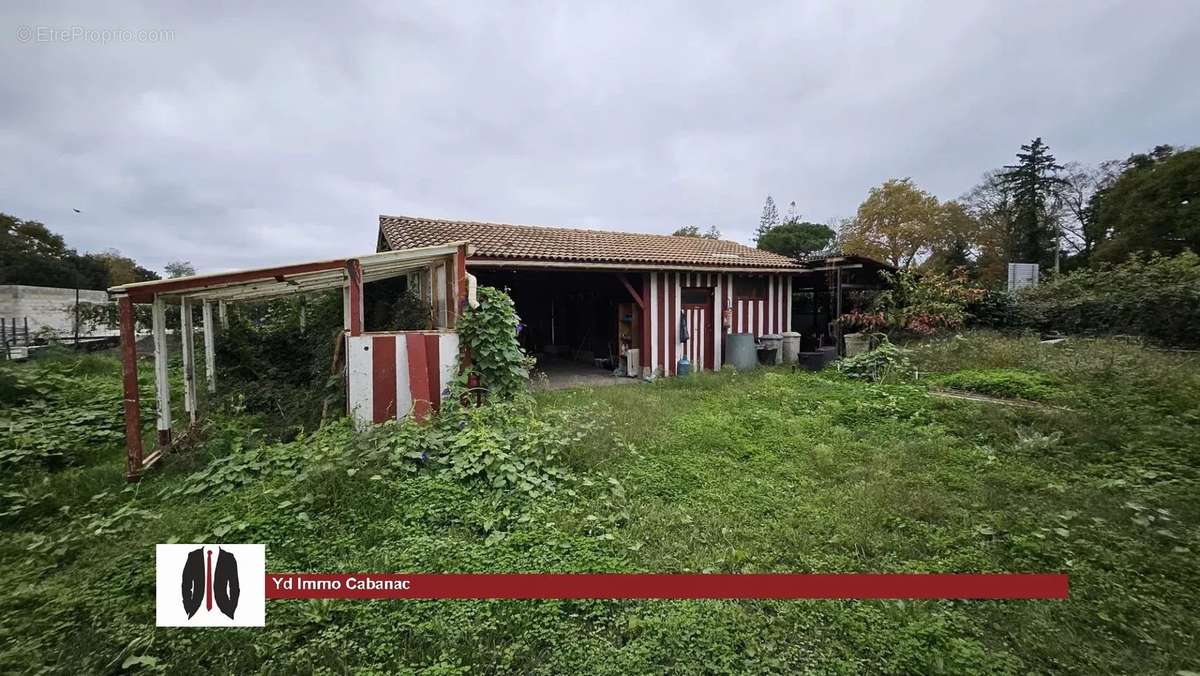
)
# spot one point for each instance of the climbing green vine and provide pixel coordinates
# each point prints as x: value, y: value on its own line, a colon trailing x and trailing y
x: 489, y: 332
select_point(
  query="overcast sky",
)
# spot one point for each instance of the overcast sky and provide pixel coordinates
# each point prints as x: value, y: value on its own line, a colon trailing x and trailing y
x: 269, y: 136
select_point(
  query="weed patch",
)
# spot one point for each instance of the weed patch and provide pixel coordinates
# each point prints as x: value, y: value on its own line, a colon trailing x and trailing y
x: 1010, y: 383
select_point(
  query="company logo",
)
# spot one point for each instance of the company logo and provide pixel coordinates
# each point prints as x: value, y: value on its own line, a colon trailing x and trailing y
x: 216, y: 585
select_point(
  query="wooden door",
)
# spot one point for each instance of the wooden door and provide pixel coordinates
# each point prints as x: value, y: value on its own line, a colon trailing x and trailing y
x: 697, y: 307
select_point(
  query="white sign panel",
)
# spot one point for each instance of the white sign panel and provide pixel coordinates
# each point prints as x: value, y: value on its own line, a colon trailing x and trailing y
x: 1022, y: 275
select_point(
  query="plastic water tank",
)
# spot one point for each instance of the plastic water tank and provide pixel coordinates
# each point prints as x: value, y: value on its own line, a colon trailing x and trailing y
x: 770, y: 345
x: 791, y: 347
x: 742, y: 353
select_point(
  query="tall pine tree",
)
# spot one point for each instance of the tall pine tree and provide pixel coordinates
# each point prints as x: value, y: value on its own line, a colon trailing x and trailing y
x: 1033, y: 181
x: 769, y: 219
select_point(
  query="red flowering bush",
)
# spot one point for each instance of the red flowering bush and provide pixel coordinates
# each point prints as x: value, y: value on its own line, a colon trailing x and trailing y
x: 921, y: 303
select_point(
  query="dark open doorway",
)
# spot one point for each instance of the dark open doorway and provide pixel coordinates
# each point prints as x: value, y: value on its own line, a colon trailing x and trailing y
x: 571, y: 320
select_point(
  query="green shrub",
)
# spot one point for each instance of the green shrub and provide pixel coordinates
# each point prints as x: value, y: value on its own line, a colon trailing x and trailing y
x: 995, y: 309
x: 887, y: 359
x: 1010, y: 383
x: 1155, y: 297
x: 267, y: 364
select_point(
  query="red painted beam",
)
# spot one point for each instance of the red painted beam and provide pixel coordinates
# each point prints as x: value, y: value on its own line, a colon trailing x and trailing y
x: 418, y: 375
x: 433, y: 361
x: 383, y: 375
x: 130, y: 396
x: 354, y: 270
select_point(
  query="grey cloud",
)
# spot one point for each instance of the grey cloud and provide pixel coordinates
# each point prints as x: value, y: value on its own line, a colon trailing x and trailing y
x: 265, y: 135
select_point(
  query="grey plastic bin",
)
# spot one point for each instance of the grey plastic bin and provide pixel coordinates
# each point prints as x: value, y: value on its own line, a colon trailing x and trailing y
x: 742, y: 353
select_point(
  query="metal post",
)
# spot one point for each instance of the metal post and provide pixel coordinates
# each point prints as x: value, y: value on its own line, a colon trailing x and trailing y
x: 788, y: 317
x: 187, y: 334
x: 76, y: 318
x: 838, y: 310
x: 210, y: 355
x: 131, y: 399
x: 26, y: 331
x: 162, y: 386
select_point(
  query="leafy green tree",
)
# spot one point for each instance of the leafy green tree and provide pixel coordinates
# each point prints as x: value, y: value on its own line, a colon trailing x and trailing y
x: 895, y: 223
x: 124, y: 270
x: 179, y: 269
x: 694, y: 231
x: 769, y: 218
x: 1034, y: 182
x: 955, y: 239
x: 31, y: 254
x: 796, y: 238
x: 1153, y: 206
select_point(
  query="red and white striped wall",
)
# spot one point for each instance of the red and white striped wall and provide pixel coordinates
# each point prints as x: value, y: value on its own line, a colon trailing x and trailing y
x: 664, y: 297
x: 394, y: 375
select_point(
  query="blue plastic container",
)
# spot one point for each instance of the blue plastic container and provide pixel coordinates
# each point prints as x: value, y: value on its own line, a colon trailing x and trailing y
x: 684, y: 366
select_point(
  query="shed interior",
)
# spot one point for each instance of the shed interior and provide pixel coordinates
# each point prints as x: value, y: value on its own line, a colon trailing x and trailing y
x: 571, y: 315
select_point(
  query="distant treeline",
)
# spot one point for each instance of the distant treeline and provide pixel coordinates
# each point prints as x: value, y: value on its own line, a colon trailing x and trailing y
x: 31, y: 254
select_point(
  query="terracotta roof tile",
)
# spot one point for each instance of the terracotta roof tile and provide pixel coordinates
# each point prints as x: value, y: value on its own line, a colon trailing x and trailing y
x: 537, y: 243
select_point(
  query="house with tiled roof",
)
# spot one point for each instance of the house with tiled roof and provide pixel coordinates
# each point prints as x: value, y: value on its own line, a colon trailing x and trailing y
x: 618, y: 299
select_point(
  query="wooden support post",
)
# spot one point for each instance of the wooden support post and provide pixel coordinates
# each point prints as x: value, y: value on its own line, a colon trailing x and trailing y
x: 130, y: 396
x: 462, y: 286
x: 451, y: 274
x: 162, y: 385
x: 837, y: 313
x: 637, y: 297
x: 346, y: 307
x: 76, y: 322
x: 355, y: 296
x: 644, y: 354
x: 210, y: 352
x: 223, y: 314
x: 462, y: 296
x: 303, y: 314
x: 787, y: 326
x: 188, y: 338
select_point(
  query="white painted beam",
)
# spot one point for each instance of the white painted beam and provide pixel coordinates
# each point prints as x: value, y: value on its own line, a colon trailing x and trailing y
x: 210, y: 351
x: 187, y: 334
x: 162, y: 386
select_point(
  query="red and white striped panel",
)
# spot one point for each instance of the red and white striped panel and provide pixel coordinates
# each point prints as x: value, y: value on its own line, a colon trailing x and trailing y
x: 661, y: 291
x: 394, y: 375
x: 769, y: 315
x: 696, y: 348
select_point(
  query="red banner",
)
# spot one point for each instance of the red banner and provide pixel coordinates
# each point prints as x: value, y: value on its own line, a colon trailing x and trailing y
x: 667, y: 586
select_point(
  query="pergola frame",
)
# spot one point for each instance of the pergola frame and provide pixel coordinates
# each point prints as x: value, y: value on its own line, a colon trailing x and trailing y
x: 349, y: 274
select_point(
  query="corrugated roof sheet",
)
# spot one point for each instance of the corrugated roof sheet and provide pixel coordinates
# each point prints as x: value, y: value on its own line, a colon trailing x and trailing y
x: 538, y: 243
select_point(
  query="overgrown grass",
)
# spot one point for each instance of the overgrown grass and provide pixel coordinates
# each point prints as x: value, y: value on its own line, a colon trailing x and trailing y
x: 769, y: 471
